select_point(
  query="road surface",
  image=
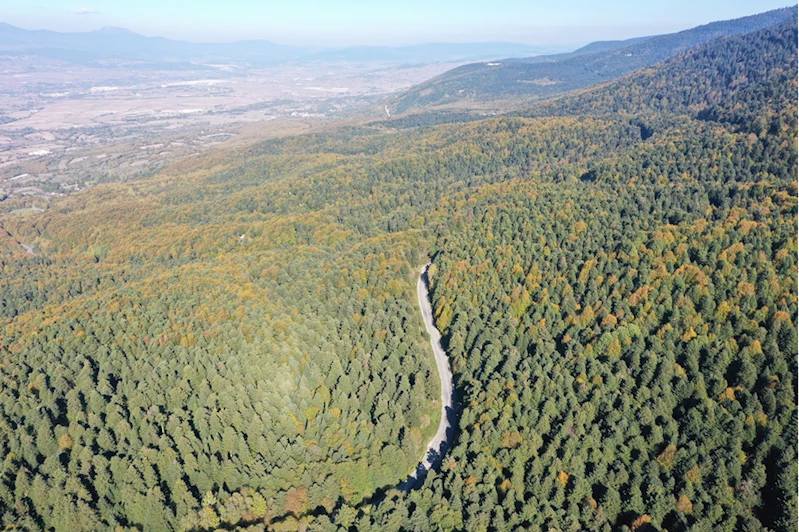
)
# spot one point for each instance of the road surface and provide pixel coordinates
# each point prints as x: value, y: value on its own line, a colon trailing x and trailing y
x: 440, y: 442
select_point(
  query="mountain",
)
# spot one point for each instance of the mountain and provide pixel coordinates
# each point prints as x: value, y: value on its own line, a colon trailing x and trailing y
x: 607, y: 46
x: 422, y: 53
x: 741, y: 80
x: 591, y: 48
x: 119, y: 43
x: 513, y: 82
x: 111, y: 43
x: 234, y: 343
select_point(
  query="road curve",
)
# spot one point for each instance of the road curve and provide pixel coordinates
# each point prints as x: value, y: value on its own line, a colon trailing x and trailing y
x: 440, y: 442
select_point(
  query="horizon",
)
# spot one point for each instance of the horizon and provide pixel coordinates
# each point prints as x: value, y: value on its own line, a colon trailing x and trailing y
x: 381, y: 268
x: 351, y: 24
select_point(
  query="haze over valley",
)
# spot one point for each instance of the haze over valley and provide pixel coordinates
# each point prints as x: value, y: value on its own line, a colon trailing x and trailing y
x: 81, y: 109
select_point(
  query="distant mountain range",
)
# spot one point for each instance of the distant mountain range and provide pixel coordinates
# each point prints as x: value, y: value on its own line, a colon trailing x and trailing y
x: 511, y: 82
x: 108, y: 46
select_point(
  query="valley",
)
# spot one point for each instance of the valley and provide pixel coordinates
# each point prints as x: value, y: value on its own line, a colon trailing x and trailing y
x: 64, y: 128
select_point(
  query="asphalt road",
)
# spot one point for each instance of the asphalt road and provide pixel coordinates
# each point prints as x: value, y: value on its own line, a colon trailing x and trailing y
x: 440, y: 442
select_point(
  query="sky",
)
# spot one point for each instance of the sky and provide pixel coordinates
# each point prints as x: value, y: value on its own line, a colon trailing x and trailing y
x: 376, y: 22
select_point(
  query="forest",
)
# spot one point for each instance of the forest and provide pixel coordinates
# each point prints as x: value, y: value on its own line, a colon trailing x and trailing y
x: 513, y: 82
x: 234, y: 343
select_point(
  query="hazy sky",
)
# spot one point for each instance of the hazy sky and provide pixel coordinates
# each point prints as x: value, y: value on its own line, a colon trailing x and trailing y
x: 344, y: 22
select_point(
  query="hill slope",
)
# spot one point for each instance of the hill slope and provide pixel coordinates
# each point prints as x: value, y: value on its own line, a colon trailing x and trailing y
x: 232, y: 344
x: 484, y: 84
x: 604, y: 328
x: 744, y: 80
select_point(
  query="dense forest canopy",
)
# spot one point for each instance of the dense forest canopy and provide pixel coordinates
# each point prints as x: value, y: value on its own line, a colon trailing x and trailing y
x: 235, y: 343
x: 510, y: 83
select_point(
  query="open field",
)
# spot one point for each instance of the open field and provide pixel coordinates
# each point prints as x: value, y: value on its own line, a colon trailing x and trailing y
x: 65, y: 127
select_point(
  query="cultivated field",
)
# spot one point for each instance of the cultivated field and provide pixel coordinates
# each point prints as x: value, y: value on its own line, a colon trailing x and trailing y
x: 65, y: 127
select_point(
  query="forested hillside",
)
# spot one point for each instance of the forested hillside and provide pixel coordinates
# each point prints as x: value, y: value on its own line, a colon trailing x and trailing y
x: 514, y: 82
x: 625, y: 336
x: 738, y: 80
x: 244, y: 322
x: 234, y: 343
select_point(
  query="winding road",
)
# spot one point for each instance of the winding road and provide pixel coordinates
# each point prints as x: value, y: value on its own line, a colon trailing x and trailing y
x: 440, y: 442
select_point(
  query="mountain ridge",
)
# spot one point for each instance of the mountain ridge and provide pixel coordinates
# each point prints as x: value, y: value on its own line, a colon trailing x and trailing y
x: 115, y: 42
x: 508, y: 82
